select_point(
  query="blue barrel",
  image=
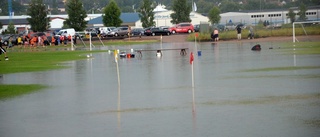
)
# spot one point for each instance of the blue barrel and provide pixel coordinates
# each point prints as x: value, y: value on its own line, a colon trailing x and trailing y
x: 199, y: 53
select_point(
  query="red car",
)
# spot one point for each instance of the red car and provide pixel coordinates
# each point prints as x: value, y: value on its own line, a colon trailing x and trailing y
x: 182, y: 28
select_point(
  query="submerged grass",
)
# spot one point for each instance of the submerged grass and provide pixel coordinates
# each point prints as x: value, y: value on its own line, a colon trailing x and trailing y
x: 281, y: 68
x: 264, y: 100
x: 10, y: 91
x: 34, y: 60
x: 301, y: 48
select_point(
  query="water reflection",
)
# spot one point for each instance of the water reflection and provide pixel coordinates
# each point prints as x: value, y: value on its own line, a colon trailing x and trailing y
x: 155, y: 96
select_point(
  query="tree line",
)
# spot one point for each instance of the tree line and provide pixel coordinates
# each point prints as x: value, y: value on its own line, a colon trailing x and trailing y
x: 203, y: 6
x: 111, y: 14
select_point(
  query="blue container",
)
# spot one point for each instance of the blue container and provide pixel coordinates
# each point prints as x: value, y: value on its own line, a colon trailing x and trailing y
x: 199, y: 53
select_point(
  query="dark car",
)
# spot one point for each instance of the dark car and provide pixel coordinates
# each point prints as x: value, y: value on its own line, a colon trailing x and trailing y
x: 196, y: 27
x: 219, y: 27
x: 157, y: 31
x: 137, y: 32
x: 6, y: 38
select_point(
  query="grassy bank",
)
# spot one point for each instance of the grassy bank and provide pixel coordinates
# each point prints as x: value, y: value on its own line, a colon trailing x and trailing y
x: 259, y: 33
x: 35, y: 60
x: 10, y: 91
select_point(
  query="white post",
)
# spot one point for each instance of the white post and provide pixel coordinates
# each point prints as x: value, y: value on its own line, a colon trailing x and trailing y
x: 192, y: 75
x: 161, y: 41
x: 90, y: 40
x: 293, y: 33
x: 72, y: 42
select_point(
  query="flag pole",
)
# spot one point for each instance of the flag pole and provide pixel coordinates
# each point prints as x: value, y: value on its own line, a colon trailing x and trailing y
x: 192, y: 75
x: 191, y: 62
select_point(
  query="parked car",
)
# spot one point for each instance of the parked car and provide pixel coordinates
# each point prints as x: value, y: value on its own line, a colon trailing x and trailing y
x: 156, y: 31
x: 219, y: 27
x: 6, y: 38
x: 66, y: 32
x: 233, y: 26
x: 120, y: 31
x: 106, y: 29
x: 137, y: 32
x: 196, y: 27
x: 92, y: 31
x: 182, y: 28
x: 78, y: 35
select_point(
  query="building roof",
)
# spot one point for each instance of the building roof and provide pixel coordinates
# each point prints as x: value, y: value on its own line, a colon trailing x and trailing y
x: 14, y: 21
x: 125, y: 17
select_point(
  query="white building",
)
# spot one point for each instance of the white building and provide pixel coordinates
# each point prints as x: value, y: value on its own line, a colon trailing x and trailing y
x: 272, y: 16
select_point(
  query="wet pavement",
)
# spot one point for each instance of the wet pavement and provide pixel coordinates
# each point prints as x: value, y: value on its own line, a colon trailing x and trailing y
x: 155, y: 97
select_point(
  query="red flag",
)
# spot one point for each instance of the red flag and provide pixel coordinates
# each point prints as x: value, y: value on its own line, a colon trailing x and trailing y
x: 191, y: 58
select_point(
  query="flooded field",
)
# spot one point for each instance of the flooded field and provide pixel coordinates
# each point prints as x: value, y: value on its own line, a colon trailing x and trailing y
x: 237, y: 92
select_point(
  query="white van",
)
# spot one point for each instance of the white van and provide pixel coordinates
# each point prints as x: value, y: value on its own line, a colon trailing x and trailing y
x: 66, y: 32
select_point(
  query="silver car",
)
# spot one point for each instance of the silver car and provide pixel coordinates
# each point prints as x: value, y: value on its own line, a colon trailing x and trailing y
x: 120, y: 31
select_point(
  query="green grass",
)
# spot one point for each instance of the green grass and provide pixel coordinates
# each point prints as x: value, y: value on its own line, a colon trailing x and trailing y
x: 301, y: 48
x: 259, y: 33
x: 29, y: 61
x: 10, y: 91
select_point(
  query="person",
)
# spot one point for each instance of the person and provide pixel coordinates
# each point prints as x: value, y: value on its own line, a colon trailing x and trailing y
x: 216, y: 34
x: 19, y: 41
x: 33, y: 41
x: 238, y: 32
x: 61, y: 39
x: 251, y: 33
x: 65, y: 40
x: 10, y: 42
x: 2, y: 50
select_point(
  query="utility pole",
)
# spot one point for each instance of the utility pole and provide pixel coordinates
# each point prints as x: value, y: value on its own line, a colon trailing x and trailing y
x: 10, y: 9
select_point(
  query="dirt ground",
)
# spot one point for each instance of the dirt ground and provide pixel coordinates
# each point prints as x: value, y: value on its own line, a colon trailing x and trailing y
x: 178, y: 38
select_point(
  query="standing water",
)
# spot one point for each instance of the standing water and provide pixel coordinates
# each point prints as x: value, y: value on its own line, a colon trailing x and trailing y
x: 235, y: 94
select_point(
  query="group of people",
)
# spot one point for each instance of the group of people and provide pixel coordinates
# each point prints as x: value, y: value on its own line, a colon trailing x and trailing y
x: 250, y: 35
x: 39, y: 40
x: 215, y: 33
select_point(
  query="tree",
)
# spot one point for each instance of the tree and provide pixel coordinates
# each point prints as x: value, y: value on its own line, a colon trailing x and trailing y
x: 214, y: 15
x: 292, y: 15
x: 38, y: 16
x: 146, y: 13
x: 76, y: 15
x: 17, y: 8
x: 302, y: 12
x: 11, y: 28
x: 204, y: 6
x: 54, y: 7
x: 181, y: 11
x: 111, y: 16
x: 229, y: 6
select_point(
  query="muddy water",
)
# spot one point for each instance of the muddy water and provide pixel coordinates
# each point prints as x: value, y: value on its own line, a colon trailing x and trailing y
x: 155, y: 97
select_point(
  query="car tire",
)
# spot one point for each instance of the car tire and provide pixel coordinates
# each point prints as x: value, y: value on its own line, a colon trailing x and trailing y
x: 116, y: 35
x: 153, y: 34
x: 173, y: 32
x: 168, y: 33
x: 189, y: 31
